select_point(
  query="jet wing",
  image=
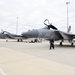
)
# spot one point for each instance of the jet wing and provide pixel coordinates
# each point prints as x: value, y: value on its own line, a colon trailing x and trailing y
x: 65, y: 36
x: 12, y: 36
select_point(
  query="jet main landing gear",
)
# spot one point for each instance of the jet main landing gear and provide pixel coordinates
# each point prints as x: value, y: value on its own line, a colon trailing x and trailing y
x: 60, y: 43
x: 72, y: 44
x: 19, y: 40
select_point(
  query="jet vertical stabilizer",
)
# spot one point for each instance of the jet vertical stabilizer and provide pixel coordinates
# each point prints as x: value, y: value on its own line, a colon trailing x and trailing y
x: 69, y: 29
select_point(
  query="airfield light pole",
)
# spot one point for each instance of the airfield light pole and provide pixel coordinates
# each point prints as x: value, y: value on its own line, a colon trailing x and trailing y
x: 17, y: 26
x: 67, y: 14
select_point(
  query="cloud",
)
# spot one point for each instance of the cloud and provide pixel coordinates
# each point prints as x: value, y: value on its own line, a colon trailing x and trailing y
x: 32, y: 13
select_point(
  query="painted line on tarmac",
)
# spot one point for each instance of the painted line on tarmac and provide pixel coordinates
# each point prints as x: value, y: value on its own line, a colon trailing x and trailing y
x: 2, y: 72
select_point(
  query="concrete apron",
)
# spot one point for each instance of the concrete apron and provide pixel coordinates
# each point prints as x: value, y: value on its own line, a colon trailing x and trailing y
x: 17, y: 63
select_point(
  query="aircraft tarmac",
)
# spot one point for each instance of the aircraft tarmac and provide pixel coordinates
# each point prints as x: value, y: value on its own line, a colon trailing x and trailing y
x: 20, y: 58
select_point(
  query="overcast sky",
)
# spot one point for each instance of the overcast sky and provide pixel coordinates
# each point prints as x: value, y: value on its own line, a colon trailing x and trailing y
x: 32, y: 13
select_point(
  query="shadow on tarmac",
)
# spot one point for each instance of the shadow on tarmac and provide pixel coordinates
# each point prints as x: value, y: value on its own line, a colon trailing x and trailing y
x: 65, y: 46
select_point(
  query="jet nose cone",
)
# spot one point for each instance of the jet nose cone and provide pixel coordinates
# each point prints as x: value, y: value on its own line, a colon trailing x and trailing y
x: 31, y: 34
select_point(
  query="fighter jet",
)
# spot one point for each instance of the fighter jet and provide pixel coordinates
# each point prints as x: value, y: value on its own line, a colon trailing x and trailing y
x: 7, y: 35
x: 50, y: 31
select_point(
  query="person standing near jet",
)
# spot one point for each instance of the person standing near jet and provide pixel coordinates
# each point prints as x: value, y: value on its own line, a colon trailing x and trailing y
x: 51, y: 43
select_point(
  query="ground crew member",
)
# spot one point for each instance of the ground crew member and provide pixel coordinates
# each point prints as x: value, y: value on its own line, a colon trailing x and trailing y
x: 51, y: 43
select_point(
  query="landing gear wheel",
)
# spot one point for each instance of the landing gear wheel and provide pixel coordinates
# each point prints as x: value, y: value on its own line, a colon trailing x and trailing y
x: 60, y: 43
x: 18, y: 40
x: 72, y: 44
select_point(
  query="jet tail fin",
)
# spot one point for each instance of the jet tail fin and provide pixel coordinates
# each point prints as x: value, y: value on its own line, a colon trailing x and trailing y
x: 69, y: 29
